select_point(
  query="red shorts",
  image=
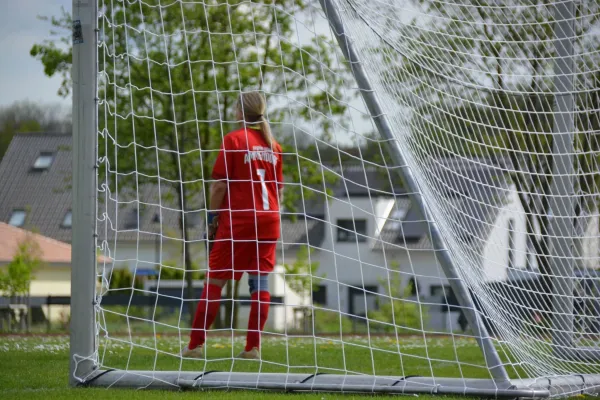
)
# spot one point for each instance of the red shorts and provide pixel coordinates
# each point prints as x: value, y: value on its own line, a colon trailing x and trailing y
x: 229, y: 259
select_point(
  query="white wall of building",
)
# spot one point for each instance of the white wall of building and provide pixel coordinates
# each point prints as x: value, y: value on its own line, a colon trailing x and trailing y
x: 495, y: 260
x: 146, y: 255
x: 348, y: 264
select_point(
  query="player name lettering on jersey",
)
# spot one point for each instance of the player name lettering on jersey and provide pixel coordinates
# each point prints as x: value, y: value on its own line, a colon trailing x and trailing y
x: 260, y: 153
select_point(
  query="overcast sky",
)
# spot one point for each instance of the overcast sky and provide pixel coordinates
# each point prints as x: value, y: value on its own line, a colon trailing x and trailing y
x: 21, y: 76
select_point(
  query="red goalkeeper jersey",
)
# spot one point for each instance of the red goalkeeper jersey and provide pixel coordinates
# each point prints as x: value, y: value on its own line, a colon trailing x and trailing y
x: 254, y: 174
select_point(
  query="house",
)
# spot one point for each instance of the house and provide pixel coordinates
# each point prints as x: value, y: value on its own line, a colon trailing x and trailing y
x: 137, y: 229
x: 363, y: 230
x: 370, y: 234
x: 35, y: 175
x: 53, y: 275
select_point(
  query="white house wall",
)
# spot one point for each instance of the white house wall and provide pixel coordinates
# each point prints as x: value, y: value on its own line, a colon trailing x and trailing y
x: 348, y: 265
x: 357, y: 264
x: 495, y: 253
x: 143, y: 255
x: 591, y: 245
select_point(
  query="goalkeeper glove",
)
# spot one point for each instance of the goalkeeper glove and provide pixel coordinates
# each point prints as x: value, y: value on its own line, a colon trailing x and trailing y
x: 211, y: 217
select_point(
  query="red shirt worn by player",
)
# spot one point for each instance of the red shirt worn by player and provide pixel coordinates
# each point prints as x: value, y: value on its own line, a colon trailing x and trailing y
x: 254, y: 174
x: 249, y: 213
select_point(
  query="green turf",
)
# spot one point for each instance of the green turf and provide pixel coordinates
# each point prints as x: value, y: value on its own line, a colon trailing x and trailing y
x: 36, y: 367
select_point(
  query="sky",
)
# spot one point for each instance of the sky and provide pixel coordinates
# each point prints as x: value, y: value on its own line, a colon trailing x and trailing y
x: 21, y: 76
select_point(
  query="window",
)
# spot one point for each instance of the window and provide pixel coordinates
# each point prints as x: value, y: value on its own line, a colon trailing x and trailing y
x: 396, y: 218
x: 439, y: 290
x: 17, y: 218
x: 445, y: 295
x: 511, y: 243
x: 68, y: 220
x: 362, y: 299
x: 414, y: 286
x: 43, y: 161
x: 530, y: 253
x: 319, y: 295
x: 131, y: 221
x: 352, y: 230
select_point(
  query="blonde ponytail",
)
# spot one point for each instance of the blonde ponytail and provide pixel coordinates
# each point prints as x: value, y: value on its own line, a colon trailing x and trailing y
x: 252, y: 106
x: 265, y: 128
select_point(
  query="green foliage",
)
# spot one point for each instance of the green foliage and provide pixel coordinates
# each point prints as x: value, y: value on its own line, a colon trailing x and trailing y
x: 16, y: 279
x: 326, y: 321
x: 170, y: 78
x: 301, y: 276
x: 57, y: 60
x: 122, y: 278
x: 472, y: 103
x: 397, y: 313
x: 29, y: 117
x: 260, y: 53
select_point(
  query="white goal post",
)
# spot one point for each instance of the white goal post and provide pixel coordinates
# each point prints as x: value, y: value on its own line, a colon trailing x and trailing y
x: 441, y: 219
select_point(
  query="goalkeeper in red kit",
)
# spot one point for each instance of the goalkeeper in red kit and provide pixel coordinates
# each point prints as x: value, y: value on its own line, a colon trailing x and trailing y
x: 244, y: 222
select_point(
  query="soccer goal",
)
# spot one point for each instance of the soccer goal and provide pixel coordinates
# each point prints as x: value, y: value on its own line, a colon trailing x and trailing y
x: 440, y: 217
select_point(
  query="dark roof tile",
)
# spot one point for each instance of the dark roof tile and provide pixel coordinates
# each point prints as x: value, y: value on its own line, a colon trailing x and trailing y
x: 47, y: 197
x: 471, y: 187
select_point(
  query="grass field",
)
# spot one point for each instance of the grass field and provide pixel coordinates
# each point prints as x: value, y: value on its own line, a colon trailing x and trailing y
x: 36, y: 367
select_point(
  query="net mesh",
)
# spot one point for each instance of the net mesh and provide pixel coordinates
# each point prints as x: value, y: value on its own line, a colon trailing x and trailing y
x: 469, y: 89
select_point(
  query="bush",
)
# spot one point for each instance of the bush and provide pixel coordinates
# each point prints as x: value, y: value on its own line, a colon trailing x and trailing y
x: 16, y: 280
x: 300, y: 274
x: 122, y: 278
x: 328, y: 321
x: 397, y: 312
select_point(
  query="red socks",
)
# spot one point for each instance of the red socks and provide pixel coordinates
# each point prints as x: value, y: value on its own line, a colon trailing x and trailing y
x: 208, y: 308
x: 259, y: 312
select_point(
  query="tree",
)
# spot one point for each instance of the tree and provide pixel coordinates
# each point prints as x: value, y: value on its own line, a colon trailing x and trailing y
x: 301, y: 275
x: 482, y: 87
x: 16, y: 279
x: 397, y: 313
x: 29, y: 117
x: 170, y: 77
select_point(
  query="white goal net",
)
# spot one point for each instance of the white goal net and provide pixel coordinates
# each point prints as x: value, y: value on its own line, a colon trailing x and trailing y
x: 482, y: 114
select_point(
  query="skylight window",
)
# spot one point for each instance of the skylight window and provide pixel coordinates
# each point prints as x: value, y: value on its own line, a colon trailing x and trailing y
x: 397, y: 217
x: 132, y: 219
x: 43, y: 161
x: 68, y: 220
x: 17, y: 218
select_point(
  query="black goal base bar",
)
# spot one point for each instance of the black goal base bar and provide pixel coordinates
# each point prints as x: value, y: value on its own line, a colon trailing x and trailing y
x: 294, y: 382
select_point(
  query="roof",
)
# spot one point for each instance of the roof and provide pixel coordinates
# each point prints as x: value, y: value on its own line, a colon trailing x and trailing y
x: 52, y: 251
x: 45, y: 195
x: 470, y: 194
x: 365, y: 180
x: 470, y: 189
